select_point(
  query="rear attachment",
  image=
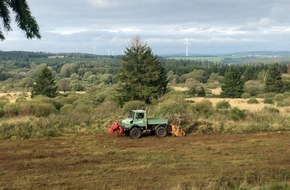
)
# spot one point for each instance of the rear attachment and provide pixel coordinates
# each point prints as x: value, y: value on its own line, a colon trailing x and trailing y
x: 177, y: 131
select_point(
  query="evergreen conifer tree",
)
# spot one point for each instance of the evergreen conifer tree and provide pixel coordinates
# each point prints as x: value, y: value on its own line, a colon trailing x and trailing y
x: 233, y: 86
x: 273, y: 80
x: 141, y: 76
x: 44, y: 84
x: 23, y: 17
x: 201, y: 92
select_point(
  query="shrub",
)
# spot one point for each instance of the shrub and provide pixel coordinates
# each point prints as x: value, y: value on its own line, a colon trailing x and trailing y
x: 279, y: 97
x: 66, y: 108
x: 84, y: 108
x: 283, y: 104
x: 56, y: 103
x: 268, y: 95
x: 77, y: 87
x: 236, y: 114
x: 11, y: 109
x: 203, y: 107
x: 172, y: 109
x: 1, y: 112
x: 84, y: 104
x: 3, y: 102
x: 223, y: 105
x: 252, y: 101
x: 42, y: 109
x: 107, y: 112
x: 254, y: 87
x: 133, y: 105
x: 213, y: 85
x: 204, y: 129
x: 245, y: 95
x: 36, y: 108
x: 270, y: 110
x: 30, y: 128
x: 286, y: 94
x: 27, y: 108
x: 69, y: 99
x: 192, y: 91
x: 17, y: 130
x: 201, y: 92
x: 268, y: 101
x: 99, y: 98
x: 21, y: 99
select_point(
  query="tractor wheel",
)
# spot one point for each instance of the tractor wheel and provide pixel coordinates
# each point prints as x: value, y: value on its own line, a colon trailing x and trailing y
x: 161, y: 132
x: 135, y: 133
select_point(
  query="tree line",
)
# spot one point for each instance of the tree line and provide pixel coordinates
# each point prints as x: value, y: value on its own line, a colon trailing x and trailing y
x: 139, y: 68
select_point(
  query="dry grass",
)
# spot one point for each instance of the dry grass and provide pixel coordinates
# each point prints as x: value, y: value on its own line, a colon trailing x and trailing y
x: 216, y: 91
x: 12, y: 96
x: 243, y: 105
x: 234, y: 102
x: 180, y: 89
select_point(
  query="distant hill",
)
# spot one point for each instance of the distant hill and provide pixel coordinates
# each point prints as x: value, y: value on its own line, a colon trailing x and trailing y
x: 262, y: 54
x: 282, y: 57
x: 25, y: 56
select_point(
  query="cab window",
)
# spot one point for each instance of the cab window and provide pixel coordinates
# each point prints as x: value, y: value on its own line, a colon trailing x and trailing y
x: 139, y: 115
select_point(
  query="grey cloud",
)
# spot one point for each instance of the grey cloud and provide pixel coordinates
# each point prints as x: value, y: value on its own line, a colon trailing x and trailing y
x: 212, y: 25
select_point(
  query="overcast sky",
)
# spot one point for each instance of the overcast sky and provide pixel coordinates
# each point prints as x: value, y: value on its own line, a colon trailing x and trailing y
x: 102, y: 26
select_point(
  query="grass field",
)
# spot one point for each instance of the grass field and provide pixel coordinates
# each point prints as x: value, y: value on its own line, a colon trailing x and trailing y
x: 202, y: 58
x: 104, y: 161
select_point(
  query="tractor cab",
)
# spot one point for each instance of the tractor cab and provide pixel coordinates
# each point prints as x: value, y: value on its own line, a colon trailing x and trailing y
x: 135, y: 117
x: 137, y: 123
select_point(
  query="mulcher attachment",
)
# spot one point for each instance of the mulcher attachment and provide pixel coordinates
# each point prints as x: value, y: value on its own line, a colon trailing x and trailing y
x: 116, y: 128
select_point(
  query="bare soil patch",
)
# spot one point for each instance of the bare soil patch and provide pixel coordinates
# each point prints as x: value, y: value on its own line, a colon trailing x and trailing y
x: 117, y: 162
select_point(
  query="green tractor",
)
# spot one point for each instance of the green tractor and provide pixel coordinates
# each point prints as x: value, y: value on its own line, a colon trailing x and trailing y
x: 138, y: 124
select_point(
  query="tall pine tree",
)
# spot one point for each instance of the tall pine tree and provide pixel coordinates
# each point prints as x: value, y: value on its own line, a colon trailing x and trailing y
x: 233, y: 86
x: 25, y: 21
x: 44, y: 84
x: 141, y: 76
x: 273, y: 82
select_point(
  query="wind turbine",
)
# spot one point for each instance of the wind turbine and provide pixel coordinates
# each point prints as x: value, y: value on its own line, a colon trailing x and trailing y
x: 94, y: 48
x: 186, y: 43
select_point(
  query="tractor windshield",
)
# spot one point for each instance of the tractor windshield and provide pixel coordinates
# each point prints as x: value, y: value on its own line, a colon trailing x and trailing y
x: 131, y: 114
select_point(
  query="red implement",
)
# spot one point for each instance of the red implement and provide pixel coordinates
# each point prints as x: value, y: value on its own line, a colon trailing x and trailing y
x: 116, y: 128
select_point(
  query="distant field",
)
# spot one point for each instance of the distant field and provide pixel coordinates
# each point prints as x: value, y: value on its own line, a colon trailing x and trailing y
x: 238, y: 59
x: 240, y: 103
x: 209, y: 58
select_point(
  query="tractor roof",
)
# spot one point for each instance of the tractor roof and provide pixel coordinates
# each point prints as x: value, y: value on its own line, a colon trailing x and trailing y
x: 138, y: 110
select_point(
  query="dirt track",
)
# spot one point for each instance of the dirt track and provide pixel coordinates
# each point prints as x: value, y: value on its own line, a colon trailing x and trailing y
x: 117, y: 162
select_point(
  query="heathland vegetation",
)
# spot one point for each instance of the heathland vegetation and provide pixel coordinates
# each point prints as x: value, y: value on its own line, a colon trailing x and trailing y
x: 203, y: 97
x: 90, y: 86
x: 49, y: 95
